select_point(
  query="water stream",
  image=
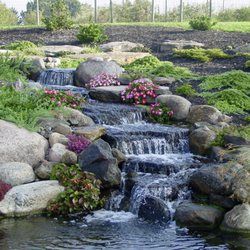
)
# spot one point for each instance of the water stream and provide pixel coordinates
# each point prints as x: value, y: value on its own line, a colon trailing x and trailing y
x: 159, y: 164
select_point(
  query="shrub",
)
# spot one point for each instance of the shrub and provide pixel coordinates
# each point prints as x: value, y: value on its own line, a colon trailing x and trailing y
x: 77, y: 143
x: 91, y: 50
x: 186, y: 90
x: 138, y: 91
x: 20, y: 46
x: 104, y: 80
x: 235, y: 79
x: 68, y: 63
x: 202, y: 23
x: 91, y: 34
x: 204, y: 55
x: 247, y: 64
x: 160, y: 113
x: 4, y: 188
x: 59, y: 17
x: 229, y: 101
x: 82, y: 191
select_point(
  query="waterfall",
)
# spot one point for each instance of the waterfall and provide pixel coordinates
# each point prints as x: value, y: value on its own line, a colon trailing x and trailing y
x: 61, y: 77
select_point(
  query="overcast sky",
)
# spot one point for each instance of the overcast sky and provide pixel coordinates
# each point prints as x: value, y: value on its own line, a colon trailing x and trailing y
x: 20, y: 5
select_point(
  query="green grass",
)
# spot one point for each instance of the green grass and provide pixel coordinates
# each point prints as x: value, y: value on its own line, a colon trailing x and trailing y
x: 68, y: 63
x: 221, y: 26
x: 204, y: 55
x: 186, y: 90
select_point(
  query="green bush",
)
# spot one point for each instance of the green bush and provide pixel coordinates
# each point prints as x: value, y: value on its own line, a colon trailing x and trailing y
x: 247, y: 64
x: 202, y: 23
x: 186, y: 90
x: 204, y: 55
x: 59, y: 17
x: 91, y: 34
x: 81, y: 194
x: 20, y: 46
x: 68, y: 63
x: 235, y: 79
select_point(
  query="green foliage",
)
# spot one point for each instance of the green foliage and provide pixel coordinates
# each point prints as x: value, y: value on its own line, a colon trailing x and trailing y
x: 82, y: 191
x: 235, y: 79
x: 151, y: 66
x: 59, y: 17
x: 186, y: 90
x: 238, y: 15
x: 91, y: 50
x: 68, y: 63
x: 20, y: 46
x: 7, y: 16
x: 23, y: 107
x: 160, y: 113
x: 229, y: 101
x: 247, y: 64
x: 91, y: 34
x: 202, y: 23
x: 13, y: 68
x: 204, y: 55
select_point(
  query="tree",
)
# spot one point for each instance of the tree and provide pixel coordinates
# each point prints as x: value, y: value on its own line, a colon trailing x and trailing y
x: 7, y: 16
x: 59, y: 17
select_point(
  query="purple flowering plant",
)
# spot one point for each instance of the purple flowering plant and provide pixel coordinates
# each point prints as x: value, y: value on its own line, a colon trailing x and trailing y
x: 138, y: 91
x: 104, y: 79
x: 161, y: 113
x: 77, y: 143
x: 4, y: 188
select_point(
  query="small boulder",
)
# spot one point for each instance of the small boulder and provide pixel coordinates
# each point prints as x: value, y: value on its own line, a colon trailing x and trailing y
x: 91, y: 68
x: 164, y: 81
x: 169, y: 45
x: 201, y: 140
x: 63, y: 129
x: 91, y: 132
x: 43, y: 171
x: 198, y: 216
x: 69, y: 158
x: 16, y: 173
x: 98, y: 159
x: 237, y: 220
x: 36, y: 68
x: 124, y: 46
x: 120, y: 157
x: 178, y: 104
x: 56, y: 152
x: 28, y: 199
x: 154, y: 210
x: 57, y: 138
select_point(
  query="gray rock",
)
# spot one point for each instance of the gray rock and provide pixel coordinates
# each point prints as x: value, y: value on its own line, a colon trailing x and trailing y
x: 29, y: 198
x: 91, y: 132
x: 163, y: 91
x: 201, y: 140
x: 169, y: 45
x: 154, y: 210
x: 222, y: 201
x: 98, y: 159
x: 235, y: 140
x: 164, y: 81
x: 120, y: 157
x: 91, y: 68
x: 20, y: 145
x: 63, y: 129
x: 36, y: 68
x: 57, y: 138
x: 43, y: 171
x: 69, y: 158
x: 237, y: 220
x: 124, y: 46
x: 60, y: 49
x: 198, y: 216
x: 56, y: 152
x: 16, y: 173
x: 215, y: 179
x: 178, y: 104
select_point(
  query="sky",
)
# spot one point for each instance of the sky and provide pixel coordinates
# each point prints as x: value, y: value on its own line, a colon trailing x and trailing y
x: 20, y: 5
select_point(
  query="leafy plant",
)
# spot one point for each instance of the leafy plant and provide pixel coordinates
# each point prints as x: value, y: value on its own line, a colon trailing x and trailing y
x: 91, y: 50
x: 202, y: 23
x: 247, y: 64
x: 20, y: 46
x: 82, y: 191
x: 138, y: 91
x: 91, y: 34
x: 160, y: 113
x: 186, y: 90
x: 59, y: 17
x: 68, y: 63
x: 4, y: 188
x: 77, y: 143
x: 104, y: 80
x: 204, y: 55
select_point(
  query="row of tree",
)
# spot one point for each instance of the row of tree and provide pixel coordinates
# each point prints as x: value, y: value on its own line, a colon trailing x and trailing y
x: 136, y: 11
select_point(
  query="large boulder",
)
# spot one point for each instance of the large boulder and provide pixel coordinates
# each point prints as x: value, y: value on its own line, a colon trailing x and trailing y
x: 20, y: 145
x: 29, y: 198
x: 237, y: 220
x: 154, y: 209
x: 16, y: 173
x: 169, y: 45
x: 60, y: 50
x: 37, y: 66
x: 206, y: 113
x: 215, y: 179
x: 124, y: 46
x: 201, y: 140
x: 178, y: 104
x: 98, y: 159
x: 91, y: 132
x: 107, y: 94
x: 91, y: 68
x: 198, y: 216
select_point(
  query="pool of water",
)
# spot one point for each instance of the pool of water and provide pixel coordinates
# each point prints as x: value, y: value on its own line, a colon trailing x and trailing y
x: 108, y: 230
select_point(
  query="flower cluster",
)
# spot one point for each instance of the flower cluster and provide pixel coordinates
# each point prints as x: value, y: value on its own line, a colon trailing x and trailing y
x: 77, y: 143
x: 138, y: 91
x: 104, y: 79
x: 63, y: 98
x: 160, y: 113
x: 4, y: 188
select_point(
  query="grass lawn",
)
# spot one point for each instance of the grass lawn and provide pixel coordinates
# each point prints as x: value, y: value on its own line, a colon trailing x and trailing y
x: 223, y: 26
